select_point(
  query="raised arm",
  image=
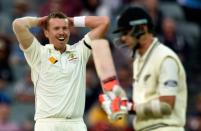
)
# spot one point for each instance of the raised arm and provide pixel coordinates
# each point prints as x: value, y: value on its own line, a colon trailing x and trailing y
x: 21, y: 28
x: 98, y: 25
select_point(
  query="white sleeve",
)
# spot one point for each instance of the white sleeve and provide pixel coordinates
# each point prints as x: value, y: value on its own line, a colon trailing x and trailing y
x: 85, y: 47
x: 168, y: 79
x: 87, y: 40
x: 33, y: 53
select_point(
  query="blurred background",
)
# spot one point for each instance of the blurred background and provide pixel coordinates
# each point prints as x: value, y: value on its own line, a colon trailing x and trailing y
x: 177, y: 24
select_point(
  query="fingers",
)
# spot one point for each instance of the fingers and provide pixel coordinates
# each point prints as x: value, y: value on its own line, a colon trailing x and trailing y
x: 105, y: 102
x: 118, y: 91
x: 70, y: 22
x: 115, y: 108
x: 42, y: 21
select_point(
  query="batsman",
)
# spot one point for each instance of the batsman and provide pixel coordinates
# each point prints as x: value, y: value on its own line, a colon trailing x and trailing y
x: 159, y: 79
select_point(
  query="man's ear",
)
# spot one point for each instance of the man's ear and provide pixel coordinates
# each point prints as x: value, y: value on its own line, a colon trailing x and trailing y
x: 46, y: 33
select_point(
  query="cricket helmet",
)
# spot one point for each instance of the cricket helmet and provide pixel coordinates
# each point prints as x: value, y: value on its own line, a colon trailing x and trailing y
x: 131, y: 18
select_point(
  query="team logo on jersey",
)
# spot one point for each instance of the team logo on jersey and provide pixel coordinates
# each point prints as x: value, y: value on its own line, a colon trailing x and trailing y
x: 170, y: 83
x: 52, y: 59
x: 72, y: 56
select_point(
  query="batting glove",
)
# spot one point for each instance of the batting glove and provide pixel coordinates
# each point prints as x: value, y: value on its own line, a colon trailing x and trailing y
x: 115, y: 108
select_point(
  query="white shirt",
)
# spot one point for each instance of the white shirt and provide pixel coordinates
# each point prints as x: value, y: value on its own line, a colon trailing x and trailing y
x: 159, y: 72
x: 60, y: 86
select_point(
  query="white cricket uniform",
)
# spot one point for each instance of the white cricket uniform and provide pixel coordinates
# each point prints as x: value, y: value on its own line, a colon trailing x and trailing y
x: 159, y: 72
x: 60, y: 86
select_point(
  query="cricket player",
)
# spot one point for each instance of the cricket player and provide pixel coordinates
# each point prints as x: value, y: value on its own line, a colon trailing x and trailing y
x: 159, y: 87
x: 58, y: 69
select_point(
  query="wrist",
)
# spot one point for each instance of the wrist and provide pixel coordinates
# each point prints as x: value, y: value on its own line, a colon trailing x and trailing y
x: 109, y: 83
x: 42, y: 22
x: 79, y: 21
x: 30, y: 21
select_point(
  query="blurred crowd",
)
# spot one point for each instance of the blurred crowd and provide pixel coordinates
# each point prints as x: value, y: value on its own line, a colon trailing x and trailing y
x: 177, y: 25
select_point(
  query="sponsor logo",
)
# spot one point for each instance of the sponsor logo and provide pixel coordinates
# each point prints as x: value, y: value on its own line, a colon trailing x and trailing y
x: 170, y: 83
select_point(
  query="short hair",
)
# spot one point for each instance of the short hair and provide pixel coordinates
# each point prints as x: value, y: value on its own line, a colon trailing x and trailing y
x: 55, y: 14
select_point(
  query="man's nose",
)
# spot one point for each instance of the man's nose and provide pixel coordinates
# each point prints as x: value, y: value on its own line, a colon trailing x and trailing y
x: 61, y: 31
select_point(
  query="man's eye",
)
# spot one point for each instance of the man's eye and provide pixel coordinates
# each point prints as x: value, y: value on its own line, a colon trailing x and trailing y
x: 65, y: 28
x: 56, y: 28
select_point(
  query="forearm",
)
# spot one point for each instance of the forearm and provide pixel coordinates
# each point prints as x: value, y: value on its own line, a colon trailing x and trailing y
x: 98, y: 24
x: 25, y: 23
x: 21, y: 28
x: 153, y: 108
x: 96, y: 21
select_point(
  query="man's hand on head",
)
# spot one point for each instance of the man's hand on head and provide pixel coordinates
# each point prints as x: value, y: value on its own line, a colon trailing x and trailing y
x: 42, y: 21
